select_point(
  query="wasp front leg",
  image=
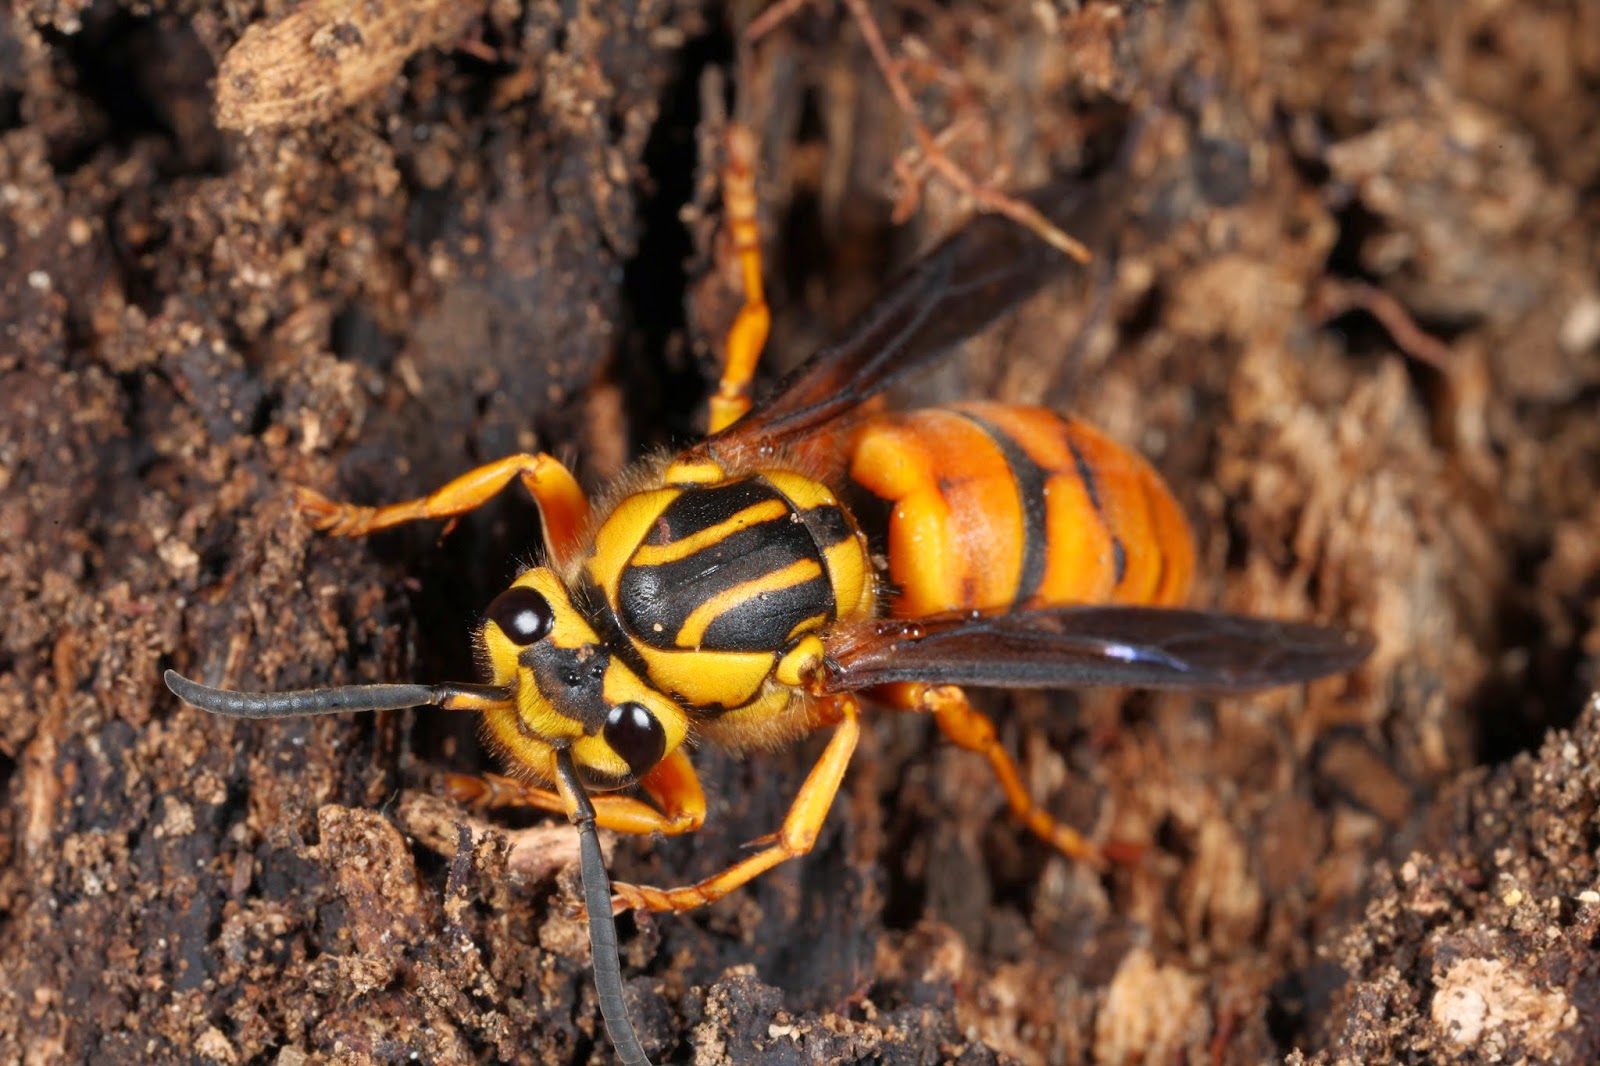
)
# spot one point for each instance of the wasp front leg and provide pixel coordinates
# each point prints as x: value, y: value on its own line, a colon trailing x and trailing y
x: 971, y: 729
x: 748, y: 334
x: 563, y: 507
x: 796, y: 837
x: 672, y: 784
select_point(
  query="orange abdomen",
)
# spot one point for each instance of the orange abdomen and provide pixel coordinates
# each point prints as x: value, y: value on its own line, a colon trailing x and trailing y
x: 996, y: 507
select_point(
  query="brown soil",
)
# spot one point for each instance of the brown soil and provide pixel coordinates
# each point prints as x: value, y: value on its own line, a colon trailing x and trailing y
x: 1356, y: 322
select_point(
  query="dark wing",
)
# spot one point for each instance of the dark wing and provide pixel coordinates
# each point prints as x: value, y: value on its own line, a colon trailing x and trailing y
x: 984, y: 270
x: 1065, y: 647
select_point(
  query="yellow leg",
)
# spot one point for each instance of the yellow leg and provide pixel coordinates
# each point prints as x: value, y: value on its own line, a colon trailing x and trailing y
x: 562, y: 504
x: 672, y: 784
x: 795, y: 838
x: 969, y: 728
x: 748, y: 335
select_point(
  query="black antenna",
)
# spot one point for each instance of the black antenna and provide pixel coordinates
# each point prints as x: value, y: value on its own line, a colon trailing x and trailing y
x: 602, y: 925
x: 332, y: 700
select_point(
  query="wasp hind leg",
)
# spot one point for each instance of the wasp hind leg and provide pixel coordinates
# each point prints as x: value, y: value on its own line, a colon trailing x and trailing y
x: 969, y: 728
x: 673, y: 784
x: 748, y: 334
x: 797, y: 836
x: 562, y: 505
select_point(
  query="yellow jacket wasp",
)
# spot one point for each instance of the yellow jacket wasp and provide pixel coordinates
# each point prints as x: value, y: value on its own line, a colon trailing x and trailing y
x: 729, y: 593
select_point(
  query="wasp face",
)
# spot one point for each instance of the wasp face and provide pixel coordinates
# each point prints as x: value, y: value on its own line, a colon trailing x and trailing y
x: 570, y: 688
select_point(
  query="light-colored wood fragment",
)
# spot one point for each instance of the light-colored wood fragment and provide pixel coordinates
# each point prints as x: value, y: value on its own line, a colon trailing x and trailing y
x: 1489, y: 1007
x: 327, y: 55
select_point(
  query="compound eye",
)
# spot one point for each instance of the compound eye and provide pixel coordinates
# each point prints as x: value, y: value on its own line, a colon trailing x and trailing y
x: 522, y: 614
x: 635, y: 734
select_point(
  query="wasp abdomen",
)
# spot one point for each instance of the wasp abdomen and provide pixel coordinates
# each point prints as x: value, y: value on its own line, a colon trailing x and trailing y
x: 999, y: 507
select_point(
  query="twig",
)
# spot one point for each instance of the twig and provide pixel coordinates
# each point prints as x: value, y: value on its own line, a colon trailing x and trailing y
x: 772, y: 18
x: 911, y: 168
x: 1335, y: 296
x: 984, y: 196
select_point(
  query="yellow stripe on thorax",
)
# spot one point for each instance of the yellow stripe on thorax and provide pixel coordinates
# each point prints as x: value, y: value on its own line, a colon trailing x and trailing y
x: 849, y: 569
x: 694, y: 627
x: 657, y: 554
x: 620, y: 534
x: 815, y: 622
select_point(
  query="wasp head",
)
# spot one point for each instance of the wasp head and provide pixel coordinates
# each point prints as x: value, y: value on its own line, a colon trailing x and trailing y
x: 570, y: 690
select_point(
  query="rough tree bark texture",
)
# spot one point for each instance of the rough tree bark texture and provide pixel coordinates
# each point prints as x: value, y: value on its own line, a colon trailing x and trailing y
x: 1355, y: 321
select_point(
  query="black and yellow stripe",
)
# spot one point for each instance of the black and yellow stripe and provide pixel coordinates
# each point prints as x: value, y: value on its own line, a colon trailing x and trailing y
x: 732, y: 567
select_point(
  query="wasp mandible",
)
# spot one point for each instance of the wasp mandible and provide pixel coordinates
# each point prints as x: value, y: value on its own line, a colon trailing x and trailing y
x: 729, y: 593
